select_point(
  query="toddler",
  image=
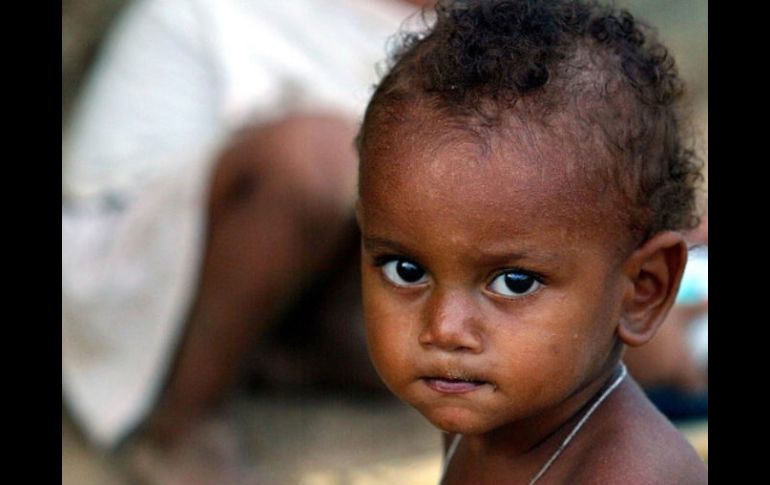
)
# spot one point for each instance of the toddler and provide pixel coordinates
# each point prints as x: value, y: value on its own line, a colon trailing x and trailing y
x: 524, y: 181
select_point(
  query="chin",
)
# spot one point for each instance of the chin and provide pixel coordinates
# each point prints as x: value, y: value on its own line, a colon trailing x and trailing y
x: 455, y: 420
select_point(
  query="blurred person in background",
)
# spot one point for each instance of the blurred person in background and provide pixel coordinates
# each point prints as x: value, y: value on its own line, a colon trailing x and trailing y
x: 208, y: 182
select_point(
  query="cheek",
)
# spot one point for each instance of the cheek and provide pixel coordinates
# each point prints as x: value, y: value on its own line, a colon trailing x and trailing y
x: 387, y: 330
x: 582, y: 312
x: 559, y: 337
x: 582, y: 328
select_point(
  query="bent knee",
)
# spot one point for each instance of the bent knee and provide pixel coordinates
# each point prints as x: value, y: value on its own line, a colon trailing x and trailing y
x: 307, y: 162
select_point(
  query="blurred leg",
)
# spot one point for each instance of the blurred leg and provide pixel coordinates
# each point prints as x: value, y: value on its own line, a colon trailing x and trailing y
x: 280, y: 206
x: 320, y: 343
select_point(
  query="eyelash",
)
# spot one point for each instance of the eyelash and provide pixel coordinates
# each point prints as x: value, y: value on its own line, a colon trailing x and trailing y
x: 537, y: 283
x: 382, y: 261
x: 538, y: 280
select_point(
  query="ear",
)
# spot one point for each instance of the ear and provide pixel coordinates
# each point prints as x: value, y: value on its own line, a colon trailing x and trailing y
x: 654, y: 272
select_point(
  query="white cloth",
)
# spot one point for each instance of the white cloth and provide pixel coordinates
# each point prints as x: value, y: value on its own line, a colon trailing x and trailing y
x: 175, y: 79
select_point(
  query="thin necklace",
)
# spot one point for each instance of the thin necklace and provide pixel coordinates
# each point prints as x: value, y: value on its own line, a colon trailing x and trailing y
x: 602, y: 397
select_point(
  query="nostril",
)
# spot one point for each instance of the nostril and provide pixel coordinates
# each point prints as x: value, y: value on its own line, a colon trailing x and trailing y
x: 461, y: 340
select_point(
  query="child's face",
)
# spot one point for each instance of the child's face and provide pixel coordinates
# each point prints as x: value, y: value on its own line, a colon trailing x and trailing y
x: 491, y: 288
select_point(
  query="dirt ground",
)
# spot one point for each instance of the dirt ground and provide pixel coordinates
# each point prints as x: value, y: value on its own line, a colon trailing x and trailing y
x: 319, y: 439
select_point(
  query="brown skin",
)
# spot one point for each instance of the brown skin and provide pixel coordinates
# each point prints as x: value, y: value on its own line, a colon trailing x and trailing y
x: 532, y: 361
x: 616, y: 449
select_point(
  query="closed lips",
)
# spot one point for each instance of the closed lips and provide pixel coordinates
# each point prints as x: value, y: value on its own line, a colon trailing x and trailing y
x: 453, y: 385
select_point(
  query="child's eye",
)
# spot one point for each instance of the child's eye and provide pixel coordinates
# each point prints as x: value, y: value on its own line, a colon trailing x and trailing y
x: 514, y: 284
x: 402, y: 272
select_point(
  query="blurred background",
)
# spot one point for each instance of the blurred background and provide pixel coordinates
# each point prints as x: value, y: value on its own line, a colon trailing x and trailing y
x: 338, y: 436
x: 682, y: 24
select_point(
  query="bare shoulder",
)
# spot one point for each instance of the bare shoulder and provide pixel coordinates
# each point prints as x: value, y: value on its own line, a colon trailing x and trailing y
x: 631, y: 442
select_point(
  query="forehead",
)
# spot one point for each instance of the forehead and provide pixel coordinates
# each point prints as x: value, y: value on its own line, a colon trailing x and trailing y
x: 518, y: 179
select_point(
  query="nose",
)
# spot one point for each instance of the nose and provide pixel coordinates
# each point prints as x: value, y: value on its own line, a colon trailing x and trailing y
x: 452, y: 323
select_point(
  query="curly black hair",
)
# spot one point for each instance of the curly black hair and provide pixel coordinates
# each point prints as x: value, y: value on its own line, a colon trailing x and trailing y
x: 486, y: 61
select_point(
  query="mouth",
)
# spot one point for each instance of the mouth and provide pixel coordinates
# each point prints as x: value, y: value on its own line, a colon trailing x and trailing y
x: 446, y: 385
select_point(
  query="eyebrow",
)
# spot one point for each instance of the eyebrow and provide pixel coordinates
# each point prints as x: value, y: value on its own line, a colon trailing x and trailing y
x: 536, y: 255
x: 377, y: 242
x: 489, y: 257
